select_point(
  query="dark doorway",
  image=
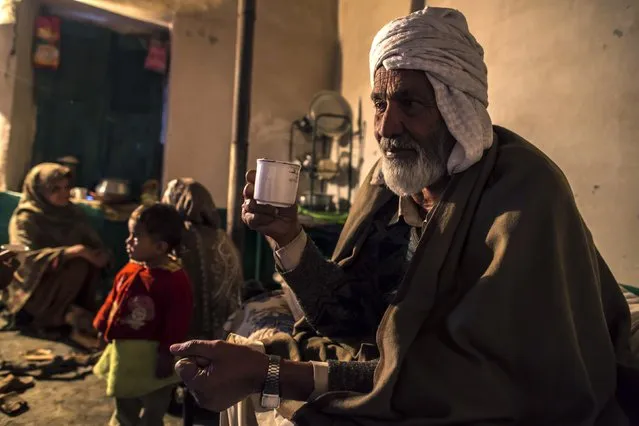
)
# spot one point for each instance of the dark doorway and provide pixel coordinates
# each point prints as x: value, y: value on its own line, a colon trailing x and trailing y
x: 101, y: 106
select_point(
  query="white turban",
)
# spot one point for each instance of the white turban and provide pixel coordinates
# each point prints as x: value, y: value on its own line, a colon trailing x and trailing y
x: 437, y: 41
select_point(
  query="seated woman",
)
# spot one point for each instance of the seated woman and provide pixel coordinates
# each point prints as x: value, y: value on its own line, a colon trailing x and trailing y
x: 55, y: 284
x: 209, y: 257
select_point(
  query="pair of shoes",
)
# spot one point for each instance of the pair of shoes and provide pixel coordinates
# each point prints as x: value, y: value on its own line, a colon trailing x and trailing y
x: 10, y: 388
x: 12, y: 404
x: 11, y: 383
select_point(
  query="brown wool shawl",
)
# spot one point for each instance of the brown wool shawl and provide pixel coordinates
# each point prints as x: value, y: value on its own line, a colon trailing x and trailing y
x: 508, y: 315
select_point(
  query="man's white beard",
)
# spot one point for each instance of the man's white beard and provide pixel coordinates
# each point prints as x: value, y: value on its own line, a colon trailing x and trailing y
x: 408, y: 177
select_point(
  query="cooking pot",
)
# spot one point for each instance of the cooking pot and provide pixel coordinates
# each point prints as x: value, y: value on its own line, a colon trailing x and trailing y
x: 317, y: 202
x: 113, y: 191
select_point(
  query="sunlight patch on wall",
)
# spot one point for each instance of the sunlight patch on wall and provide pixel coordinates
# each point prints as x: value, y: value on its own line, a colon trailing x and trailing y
x: 7, y: 11
x: 5, y: 132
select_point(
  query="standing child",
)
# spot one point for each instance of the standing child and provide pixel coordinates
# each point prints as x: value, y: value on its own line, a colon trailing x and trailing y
x: 148, y: 310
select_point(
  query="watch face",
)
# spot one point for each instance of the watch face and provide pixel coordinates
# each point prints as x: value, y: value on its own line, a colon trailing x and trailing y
x: 270, y: 401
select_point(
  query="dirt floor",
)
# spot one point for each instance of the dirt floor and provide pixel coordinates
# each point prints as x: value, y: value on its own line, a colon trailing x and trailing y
x: 71, y: 402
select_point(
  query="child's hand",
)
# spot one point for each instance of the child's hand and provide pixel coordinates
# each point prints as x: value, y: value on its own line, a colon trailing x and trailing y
x: 164, y: 365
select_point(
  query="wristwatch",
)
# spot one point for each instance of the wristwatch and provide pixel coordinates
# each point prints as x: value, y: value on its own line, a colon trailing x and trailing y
x: 271, y: 391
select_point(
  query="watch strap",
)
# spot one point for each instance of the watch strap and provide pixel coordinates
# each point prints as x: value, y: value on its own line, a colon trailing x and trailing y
x: 271, y: 390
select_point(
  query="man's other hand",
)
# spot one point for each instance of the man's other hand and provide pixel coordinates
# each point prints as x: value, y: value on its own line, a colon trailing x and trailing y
x: 220, y: 374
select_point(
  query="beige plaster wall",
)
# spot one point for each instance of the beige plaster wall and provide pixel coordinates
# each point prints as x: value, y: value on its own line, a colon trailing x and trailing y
x: 359, y: 21
x: 563, y: 75
x: 294, y: 57
x: 7, y: 81
x: 17, y: 110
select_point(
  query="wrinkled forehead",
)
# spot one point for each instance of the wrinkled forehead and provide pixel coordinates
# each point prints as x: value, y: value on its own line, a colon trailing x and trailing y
x: 402, y: 83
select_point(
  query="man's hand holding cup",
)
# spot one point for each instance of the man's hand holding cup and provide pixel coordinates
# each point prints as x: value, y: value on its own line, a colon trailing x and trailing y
x: 269, y: 201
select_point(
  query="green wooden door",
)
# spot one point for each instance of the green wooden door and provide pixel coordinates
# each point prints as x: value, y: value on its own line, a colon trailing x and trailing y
x: 100, y: 106
x: 73, y: 100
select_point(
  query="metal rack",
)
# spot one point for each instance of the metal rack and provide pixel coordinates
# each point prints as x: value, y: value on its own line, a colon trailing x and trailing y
x: 319, y: 143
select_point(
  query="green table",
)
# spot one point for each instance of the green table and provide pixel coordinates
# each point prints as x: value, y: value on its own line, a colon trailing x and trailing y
x: 258, y: 260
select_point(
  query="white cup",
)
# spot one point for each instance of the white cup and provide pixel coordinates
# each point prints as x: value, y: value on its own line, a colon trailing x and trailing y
x: 79, y: 193
x: 276, y: 182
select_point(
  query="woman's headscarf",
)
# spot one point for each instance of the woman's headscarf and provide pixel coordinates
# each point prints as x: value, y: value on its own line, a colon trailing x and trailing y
x: 193, y: 202
x: 38, y: 223
x: 208, y: 256
x: 41, y: 179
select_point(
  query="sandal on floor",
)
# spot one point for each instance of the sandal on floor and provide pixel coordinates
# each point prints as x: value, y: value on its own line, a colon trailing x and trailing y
x: 12, y: 404
x: 19, y: 368
x: 59, y: 366
x: 32, y: 366
x: 12, y: 383
x: 38, y: 355
x: 82, y: 360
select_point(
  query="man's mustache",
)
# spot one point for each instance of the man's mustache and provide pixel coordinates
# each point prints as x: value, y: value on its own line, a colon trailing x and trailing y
x: 386, y: 144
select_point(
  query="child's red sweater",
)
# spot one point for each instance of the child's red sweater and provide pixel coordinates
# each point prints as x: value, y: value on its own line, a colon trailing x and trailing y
x: 147, y: 304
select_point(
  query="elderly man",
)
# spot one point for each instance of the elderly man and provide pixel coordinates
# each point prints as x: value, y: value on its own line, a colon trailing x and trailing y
x: 464, y: 256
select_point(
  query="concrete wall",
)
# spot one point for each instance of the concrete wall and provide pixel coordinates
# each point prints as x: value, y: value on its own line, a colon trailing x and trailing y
x: 563, y: 75
x: 572, y: 90
x: 294, y: 57
x: 7, y: 81
x: 17, y: 109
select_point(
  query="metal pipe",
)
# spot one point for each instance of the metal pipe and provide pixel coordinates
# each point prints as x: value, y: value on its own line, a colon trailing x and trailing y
x: 241, y: 120
x: 313, y: 174
x: 350, y: 162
